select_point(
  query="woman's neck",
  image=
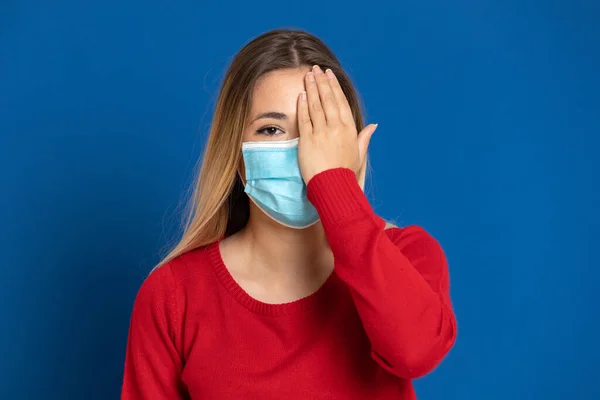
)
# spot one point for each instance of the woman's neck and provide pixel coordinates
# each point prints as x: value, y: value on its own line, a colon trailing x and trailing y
x: 284, y: 251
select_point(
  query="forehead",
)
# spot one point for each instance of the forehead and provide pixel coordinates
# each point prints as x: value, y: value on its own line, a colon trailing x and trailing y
x: 278, y: 90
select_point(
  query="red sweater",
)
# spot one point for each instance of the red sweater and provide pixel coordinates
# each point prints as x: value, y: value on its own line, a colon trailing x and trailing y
x: 382, y: 318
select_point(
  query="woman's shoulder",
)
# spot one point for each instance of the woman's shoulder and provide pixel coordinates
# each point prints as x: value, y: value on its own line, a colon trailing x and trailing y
x: 409, y: 233
x: 418, y: 244
x: 173, y: 290
x: 185, y: 273
x: 191, y: 263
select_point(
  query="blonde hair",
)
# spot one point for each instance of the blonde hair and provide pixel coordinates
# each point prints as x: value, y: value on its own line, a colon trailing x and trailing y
x: 218, y: 206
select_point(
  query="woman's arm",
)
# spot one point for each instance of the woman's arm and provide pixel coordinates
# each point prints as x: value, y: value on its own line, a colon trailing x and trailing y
x: 153, y: 364
x: 398, y: 278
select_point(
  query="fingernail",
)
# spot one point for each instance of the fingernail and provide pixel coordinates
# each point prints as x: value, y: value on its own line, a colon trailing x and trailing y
x: 311, y: 77
x: 317, y: 69
x: 375, y: 127
x: 329, y: 73
x: 303, y: 95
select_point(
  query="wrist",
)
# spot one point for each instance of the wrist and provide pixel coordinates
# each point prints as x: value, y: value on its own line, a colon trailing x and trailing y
x: 337, y: 195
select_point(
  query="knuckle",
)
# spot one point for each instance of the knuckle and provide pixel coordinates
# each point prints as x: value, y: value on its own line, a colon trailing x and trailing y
x: 329, y: 98
x: 337, y: 129
x: 336, y: 126
x: 316, y: 106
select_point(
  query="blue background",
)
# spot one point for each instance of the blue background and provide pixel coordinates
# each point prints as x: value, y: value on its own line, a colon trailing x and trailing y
x: 488, y: 131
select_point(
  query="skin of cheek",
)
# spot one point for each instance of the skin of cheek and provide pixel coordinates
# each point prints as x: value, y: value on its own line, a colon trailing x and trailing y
x: 242, y: 172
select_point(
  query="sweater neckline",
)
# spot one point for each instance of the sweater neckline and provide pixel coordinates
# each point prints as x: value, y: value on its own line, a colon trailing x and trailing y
x: 255, y: 305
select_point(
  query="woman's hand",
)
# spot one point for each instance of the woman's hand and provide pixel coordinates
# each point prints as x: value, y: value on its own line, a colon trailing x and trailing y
x: 328, y: 137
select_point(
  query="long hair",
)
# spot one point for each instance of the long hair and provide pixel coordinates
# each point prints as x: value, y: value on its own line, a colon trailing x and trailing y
x: 218, y: 206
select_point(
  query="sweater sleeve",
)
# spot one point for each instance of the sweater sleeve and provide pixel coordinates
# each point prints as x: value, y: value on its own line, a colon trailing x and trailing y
x: 398, y: 278
x: 153, y: 364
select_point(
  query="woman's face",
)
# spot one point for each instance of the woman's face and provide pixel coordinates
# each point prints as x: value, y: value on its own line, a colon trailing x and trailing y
x: 272, y: 113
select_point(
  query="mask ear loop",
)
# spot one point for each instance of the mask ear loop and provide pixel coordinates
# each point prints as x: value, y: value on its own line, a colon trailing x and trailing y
x: 241, y: 176
x: 238, y: 206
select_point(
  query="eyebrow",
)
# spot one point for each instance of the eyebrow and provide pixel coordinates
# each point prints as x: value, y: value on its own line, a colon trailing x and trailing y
x: 270, y: 114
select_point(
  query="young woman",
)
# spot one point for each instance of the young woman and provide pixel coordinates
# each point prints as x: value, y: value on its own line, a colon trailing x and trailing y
x: 286, y: 284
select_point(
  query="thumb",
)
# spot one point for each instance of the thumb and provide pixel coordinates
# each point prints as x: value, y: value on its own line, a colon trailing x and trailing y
x: 364, y: 137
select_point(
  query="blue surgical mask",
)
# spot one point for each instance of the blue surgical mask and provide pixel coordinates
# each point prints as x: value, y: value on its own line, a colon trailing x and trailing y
x: 275, y: 184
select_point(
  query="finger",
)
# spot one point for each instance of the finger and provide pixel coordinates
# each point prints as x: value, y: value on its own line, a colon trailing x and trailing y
x: 314, y: 104
x: 328, y: 99
x: 364, y: 138
x: 304, y: 122
x: 345, y: 112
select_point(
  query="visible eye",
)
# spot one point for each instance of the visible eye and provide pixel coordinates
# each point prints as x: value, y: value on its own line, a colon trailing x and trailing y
x: 269, y: 131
